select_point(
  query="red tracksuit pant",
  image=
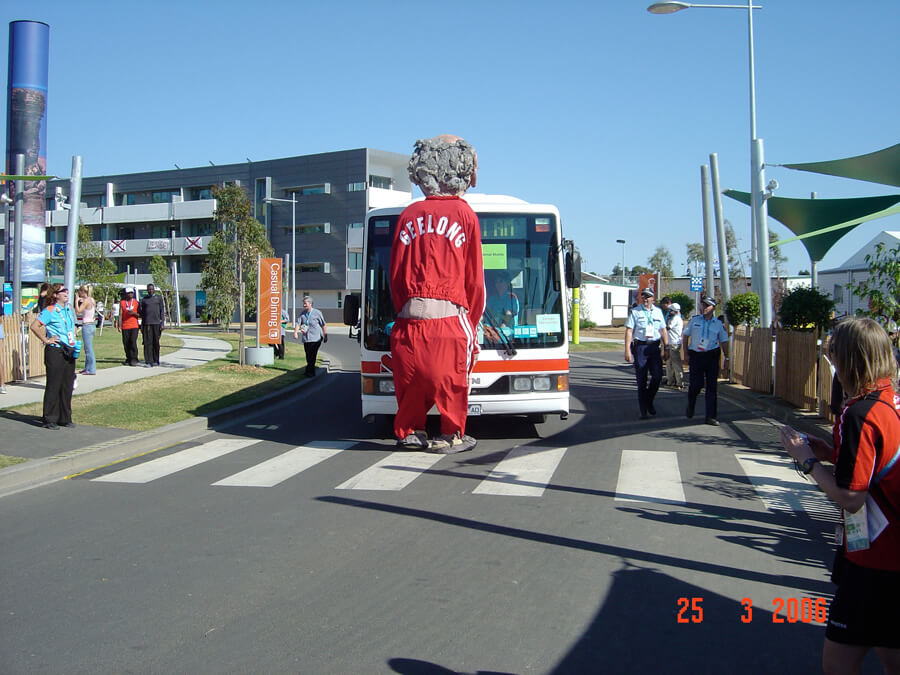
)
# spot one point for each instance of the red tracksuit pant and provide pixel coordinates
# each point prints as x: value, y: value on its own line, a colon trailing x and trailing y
x: 431, y: 359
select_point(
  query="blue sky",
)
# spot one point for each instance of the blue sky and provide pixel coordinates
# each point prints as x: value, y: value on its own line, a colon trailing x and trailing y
x: 596, y: 106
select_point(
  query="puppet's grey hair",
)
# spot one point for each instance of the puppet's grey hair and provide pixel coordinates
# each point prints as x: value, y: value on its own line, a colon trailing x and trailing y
x: 442, y: 167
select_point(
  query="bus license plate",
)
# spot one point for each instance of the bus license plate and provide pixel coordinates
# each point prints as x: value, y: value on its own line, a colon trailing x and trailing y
x: 474, y: 409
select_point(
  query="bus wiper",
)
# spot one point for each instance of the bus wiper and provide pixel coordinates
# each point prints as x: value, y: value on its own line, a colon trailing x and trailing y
x: 508, y: 344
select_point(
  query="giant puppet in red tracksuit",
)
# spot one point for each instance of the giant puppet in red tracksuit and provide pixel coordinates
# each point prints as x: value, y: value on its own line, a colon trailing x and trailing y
x: 437, y: 285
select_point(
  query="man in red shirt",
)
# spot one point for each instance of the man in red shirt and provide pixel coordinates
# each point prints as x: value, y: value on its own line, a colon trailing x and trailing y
x: 437, y: 286
x: 128, y: 324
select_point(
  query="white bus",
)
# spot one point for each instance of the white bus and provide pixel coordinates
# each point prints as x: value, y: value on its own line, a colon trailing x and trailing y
x: 523, y: 367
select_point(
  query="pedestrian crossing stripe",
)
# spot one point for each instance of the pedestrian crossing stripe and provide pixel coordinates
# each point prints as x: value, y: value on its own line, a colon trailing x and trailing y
x: 780, y: 488
x: 649, y: 476
x: 286, y: 465
x: 394, y: 472
x: 164, y: 466
x: 524, y: 472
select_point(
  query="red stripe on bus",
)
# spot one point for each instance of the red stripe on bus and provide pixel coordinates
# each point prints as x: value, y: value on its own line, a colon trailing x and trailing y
x: 536, y: 365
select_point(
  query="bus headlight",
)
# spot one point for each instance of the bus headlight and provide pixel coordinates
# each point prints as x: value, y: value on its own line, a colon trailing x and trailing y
x: 377, y: 386
x: 541, y: 383
x: 386, y: 386
x: 521, y: 383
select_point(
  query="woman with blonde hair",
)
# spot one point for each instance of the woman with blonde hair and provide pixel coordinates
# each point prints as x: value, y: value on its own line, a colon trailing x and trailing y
x: 865, y: 483
x: 86, y: 306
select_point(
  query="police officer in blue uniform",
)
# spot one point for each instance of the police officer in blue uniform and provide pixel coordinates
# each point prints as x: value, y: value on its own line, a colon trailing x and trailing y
x: 704, y: 340
x: 645, y: 328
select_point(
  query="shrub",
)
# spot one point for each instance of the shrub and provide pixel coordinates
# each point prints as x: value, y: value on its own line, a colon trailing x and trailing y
x: 743, y: 309
x: 686, y: 302
x: 806, y: 309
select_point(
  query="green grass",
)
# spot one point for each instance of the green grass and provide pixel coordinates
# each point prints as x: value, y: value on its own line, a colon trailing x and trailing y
x: 163, y: 399
x: 596, y: 347
x: 8, y: 460
x: 108, y: 350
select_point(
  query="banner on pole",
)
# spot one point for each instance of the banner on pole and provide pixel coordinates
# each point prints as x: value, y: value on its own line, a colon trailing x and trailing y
x: 269, y: 300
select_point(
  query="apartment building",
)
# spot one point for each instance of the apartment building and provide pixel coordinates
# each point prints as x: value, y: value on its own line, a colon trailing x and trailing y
x: 171, y: 213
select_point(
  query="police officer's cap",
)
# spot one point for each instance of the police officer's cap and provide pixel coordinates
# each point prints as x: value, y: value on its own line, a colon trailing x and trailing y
x: 709, y: 301
x: 646, y: 293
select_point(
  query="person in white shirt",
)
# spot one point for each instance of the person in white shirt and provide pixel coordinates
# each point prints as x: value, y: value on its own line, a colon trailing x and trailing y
x: 674, y: 369
x: 645, y: 328
x: 704, y: 341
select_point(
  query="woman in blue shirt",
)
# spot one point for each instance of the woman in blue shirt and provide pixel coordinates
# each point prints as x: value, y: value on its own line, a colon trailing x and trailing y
x: 55, y: 326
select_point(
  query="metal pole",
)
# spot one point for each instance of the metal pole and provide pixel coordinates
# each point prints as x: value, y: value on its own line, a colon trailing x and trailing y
x: 707, y: 232
x: 725, y: 279
x: 622, y: 241
x: 17, y: 234
x: 294, y: 258
x: 814, y: 264
x: 762, y: 236
x: 177, y: 299
x: 72, y: 230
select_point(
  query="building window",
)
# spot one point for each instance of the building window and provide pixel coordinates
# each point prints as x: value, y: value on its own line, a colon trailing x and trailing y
x: 354, y: 226
x: 340, y: 298
x: 129, y: 199
x: 160, y: 232
x: 383, y: 182
x: 312, y: 228
x: 354, y: 260
x: 164, y: 196
x: 200, y: 228
x: 607, y: 300
x: 838, y: 294
x: 356, y: 187
x: 124, y: 232
x: 260, y: 206
x: 313, y: 267
x: 319, y: 189
x: 198, y: 193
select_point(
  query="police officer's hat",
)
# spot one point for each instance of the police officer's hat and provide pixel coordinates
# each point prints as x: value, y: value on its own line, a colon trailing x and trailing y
x: 709, y: 301
x: 647, y: 293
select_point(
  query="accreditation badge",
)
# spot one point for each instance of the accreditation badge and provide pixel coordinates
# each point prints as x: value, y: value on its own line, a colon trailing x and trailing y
x: 856, y: 530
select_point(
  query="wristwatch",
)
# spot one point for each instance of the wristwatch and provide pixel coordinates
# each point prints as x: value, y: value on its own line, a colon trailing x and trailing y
x: 806, y: 466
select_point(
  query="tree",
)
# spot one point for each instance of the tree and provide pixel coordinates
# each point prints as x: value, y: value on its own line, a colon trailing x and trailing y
x: 160, y: 273
x: 743, y: 308
x: 776, y: 258
x: 695, y: 255
x: 661, y: 261
x: 806, y: 309
x: 737, y: 273
x: 640, y: 269
x: 93, y: 268
x: 234, y: 250
x: 685, y: 301
x: 881, y: 288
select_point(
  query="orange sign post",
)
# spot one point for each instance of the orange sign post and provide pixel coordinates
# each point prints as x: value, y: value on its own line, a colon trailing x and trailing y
x: 269, y: 299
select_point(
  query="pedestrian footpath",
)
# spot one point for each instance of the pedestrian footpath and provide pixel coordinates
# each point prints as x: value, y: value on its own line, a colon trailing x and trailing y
x: 195, y: 351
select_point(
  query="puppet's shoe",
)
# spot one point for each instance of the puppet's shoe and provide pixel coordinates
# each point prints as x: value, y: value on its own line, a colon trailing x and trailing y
x: 415, y: 441
x: 449, y: 444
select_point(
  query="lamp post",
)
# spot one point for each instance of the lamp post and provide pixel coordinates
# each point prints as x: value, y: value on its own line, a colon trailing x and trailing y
x: 759, y: 224
x: 293, y: 202
x: 622, y: 241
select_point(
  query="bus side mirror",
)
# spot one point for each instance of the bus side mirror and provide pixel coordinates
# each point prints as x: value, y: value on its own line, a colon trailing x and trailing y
x: 573, y: 269
x: 351, y: 310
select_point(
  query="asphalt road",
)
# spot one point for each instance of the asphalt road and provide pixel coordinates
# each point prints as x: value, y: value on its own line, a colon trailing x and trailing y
x: 601, y: 544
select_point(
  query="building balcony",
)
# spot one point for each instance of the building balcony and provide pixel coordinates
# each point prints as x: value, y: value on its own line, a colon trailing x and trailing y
x: 132, y: 248
x: 137, y: 213
x: 355, y: 238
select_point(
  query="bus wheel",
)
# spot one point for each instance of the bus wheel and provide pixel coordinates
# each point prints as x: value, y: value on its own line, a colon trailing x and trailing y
x: 537, y: 418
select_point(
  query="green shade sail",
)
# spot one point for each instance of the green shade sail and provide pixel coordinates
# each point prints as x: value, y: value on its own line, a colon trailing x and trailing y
x: 820, y: 223
x: 882, y: 166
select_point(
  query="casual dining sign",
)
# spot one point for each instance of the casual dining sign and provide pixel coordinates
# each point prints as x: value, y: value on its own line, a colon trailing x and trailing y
x: 269, y: 300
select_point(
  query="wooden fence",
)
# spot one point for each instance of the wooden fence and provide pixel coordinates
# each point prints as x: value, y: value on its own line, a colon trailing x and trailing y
x: 751, y: 359
x: 11, y: 349
x: 796, y: 370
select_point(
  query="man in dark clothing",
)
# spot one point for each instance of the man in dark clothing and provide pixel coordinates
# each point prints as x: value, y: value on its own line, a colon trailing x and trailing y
x: 153, y: 314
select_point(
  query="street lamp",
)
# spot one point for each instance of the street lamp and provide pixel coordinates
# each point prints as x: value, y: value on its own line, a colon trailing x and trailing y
x: 759, y: 224
x: 622, y: 241
x: 293, y: 202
